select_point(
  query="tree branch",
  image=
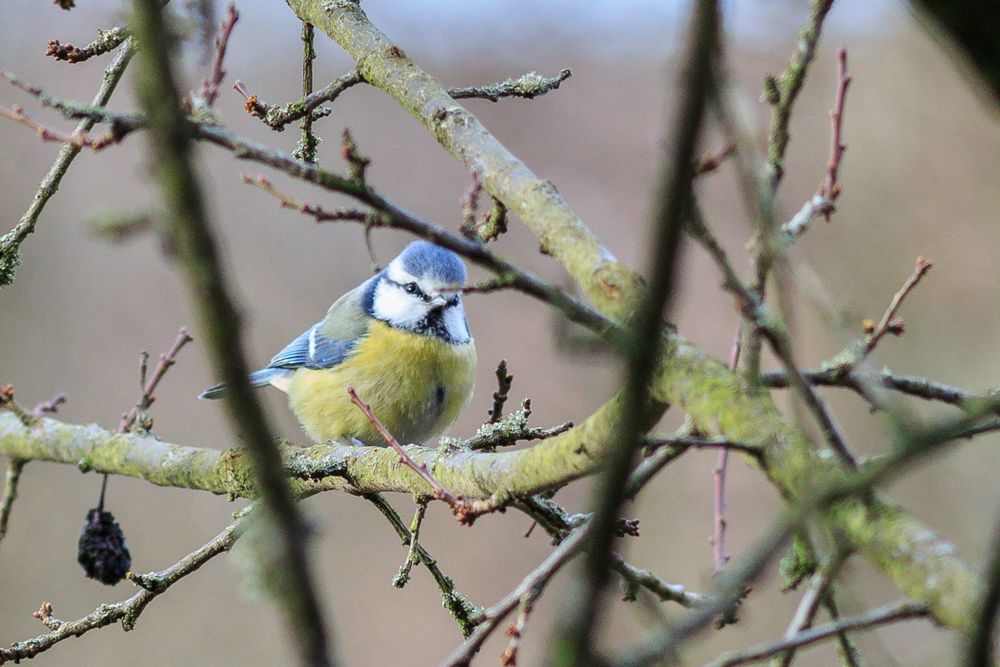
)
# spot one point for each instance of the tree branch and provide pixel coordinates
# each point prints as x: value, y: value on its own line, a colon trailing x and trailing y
x: 127, y: 611
x: 888, y: 614
x: 10, y: 243
x: 194, y: 242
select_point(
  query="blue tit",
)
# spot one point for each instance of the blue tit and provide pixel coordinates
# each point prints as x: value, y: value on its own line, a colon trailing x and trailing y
x: 400, y: 339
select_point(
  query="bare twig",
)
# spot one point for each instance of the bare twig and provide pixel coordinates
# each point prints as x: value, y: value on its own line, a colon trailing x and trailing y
x: 13, y: 477
x: 516, y: 630
x: 49, y: 407
x: 412, y: 557
x: 107, y: 40
x: 918, y: 387
x: 319, y: 213
x: 127, y: 611
x: 500, y: 395
x: 457, y: 604
x: 488, y: 620
x: 277, y: 117
x: 830, y: 188
x: 889, y: 323
x: 891, y: 613
x: 392, y: 215
x: 147, y: 387
x: 10, y: 243
x: 209, y: 91
x: 710, y: 162
x: 465, y: 511
x: 530, y: 86
x: 719, y: 477
x: 309, y: 142
x: 45, y: 133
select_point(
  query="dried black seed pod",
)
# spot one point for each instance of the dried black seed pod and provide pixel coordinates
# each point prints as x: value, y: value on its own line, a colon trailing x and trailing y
x: 102, y: 550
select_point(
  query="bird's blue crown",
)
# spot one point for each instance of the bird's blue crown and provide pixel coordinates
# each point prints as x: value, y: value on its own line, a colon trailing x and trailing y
x: 423, y: 258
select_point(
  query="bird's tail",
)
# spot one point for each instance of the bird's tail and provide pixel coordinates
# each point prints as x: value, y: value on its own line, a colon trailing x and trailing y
x: 260, y: 378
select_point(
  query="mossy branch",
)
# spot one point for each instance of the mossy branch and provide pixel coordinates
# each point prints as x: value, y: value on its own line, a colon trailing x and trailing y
x: 720, y: 402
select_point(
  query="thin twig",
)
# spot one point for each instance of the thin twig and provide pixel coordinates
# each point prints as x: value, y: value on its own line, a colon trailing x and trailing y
x: 889, y: 323
x: 465, y: 511
x: 210, y: 85
x: 529, y: 86
x: 776, y: 334
x: 277, y: 117
x: 719, y: 476
x: 49, y: 407
x: 127, y: 611
x: 830, y: 188
x: 107, y: 40
x: 818, y: 590
x: 516, y: 631
x: 319, y: 213
x: 412, y: 558
x: 488, y: 620
x: 891, y: 613
x: 10, y: 243
x: 149, y: 386
x: 918, y: 387
x: 500, y: 395
x: 308, y: 143
x: 710, y: 162
x: 457, y: 604
x: 392, y: 215
x: 13, y: 477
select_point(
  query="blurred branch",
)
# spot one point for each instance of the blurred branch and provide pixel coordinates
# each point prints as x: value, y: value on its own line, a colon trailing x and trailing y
x: 974, y: 27
x: 774, y: 330
x: 127, y: 611
x: 14, y: 469
x: 573, y: 641
x: 981, y: 650
x: 781, y: 92
x: 10, y: 243
x: 855, y: 380
x: 845, y: 361
x: 892, y: 613
x: 194, y: 241
x: 205, y: 97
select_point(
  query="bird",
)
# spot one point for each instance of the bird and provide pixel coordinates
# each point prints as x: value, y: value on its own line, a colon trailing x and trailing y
x: 400, y: 339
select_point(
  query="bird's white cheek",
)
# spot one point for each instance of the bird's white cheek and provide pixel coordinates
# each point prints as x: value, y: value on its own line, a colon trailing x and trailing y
x: 455, y: 324
x: 393, y: 305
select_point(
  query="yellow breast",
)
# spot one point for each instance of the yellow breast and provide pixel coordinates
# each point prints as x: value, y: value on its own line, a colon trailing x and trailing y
x: 417, y: 386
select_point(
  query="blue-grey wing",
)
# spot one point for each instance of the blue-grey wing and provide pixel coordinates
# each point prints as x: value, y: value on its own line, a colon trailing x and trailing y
x: 312, y: 350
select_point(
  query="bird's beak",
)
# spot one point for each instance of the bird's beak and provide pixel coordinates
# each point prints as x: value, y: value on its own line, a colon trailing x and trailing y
x: 438, y: 301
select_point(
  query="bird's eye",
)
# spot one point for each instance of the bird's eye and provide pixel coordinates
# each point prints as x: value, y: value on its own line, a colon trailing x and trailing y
x: 411, y: 288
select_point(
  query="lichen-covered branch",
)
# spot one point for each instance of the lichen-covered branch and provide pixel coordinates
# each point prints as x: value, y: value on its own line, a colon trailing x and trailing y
x: 529, y: 86
x: 613, y: 287
x: 10, y: 243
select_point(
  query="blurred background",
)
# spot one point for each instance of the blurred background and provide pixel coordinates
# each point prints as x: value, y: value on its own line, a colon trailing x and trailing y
x: 920, y: 178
